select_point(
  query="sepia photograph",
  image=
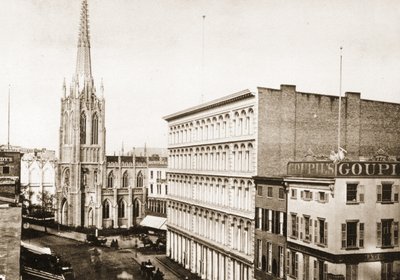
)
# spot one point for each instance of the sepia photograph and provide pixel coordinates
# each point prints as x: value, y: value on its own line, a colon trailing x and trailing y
x: 215, y: 140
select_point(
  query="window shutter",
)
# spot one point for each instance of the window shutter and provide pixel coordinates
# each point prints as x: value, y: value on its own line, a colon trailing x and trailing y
x: 297, y: 227
x: 326, y: 233
x: 310, y: 229
x: 315, y: 231
x: 326, y: 197
x: 289, y: 224
x: 361, y: 239
x: 315, y: 270
x: 296, y: 265
x: 301, y: 228
x: 379, y: 234
x: 325, y: 271
x: 287, y: 262
x: 395, y: 193
x: 257, y: 215
x: 311, y: 195
x: 396, y: 233
x: 361, y: 193
x: 379, y: 193
x: 344, y: 235
x: 302, y: 194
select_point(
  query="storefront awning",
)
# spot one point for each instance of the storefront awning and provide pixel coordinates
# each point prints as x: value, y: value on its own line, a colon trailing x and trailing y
x: 154, y: 222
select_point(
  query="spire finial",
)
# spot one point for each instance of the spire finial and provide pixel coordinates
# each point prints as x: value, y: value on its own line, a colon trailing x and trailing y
x: 64, y: 88
x: 102, y: 88
x: 83, y: 62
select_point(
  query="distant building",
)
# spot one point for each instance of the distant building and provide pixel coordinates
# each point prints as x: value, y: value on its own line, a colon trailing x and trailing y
x: 38, y: 175
x: 157, y: 188
x: 10, y: 213
x: 10, y: 176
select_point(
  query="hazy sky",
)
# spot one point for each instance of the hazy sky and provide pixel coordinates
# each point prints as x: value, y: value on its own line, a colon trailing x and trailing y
x: 149, y: 56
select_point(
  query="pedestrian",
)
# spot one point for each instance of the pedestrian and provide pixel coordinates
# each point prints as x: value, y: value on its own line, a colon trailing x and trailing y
x: 116, y: 244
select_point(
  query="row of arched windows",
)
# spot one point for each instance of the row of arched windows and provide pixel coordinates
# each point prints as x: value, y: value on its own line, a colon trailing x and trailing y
x: 225, y: 125
x: 68, y: 128
x: 111, y: 180
x: 231, y: 193
x: 234, y: 232
x: 107, y: 206
x: 234, y: 157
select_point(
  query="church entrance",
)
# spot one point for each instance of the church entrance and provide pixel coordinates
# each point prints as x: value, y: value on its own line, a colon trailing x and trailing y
x: 64, y: 212
x: 90, y: 218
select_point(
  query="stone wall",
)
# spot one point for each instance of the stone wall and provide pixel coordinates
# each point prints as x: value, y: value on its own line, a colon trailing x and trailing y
x: 10, y: 242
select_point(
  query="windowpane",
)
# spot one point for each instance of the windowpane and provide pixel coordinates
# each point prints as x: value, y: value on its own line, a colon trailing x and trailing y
x: 386, y: 232
x: 269, y: 192
x: 351, y: 193
x: 281, y: 193
x: 386, y: 192
x: 351, y: 234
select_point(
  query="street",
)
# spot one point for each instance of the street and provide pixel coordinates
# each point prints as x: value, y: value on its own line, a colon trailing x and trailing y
x: 88, y: 265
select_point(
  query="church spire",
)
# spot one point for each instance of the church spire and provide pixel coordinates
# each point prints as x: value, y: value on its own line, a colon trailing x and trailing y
x: 83, y: 62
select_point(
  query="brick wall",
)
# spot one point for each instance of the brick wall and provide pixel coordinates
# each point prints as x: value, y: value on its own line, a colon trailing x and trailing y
x: 10, y: 242
x: 291, y: 123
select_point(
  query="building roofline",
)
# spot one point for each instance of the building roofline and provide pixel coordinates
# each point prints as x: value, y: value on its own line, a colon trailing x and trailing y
x: 211, y: 104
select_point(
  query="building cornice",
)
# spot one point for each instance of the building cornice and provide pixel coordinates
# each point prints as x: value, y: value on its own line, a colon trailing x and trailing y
x: 241, y: 95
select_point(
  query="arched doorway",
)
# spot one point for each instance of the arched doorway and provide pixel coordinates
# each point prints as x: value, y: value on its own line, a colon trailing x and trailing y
x: 137, y: 208
x: 90, y: 218
x: 64, y: 212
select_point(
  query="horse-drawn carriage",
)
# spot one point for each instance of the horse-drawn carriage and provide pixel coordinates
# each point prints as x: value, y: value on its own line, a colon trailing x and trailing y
x: 94, y: 240
x: 149, y: 271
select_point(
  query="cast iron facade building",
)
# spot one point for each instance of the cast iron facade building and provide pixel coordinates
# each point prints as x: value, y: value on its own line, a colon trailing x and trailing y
x: 212, y: 160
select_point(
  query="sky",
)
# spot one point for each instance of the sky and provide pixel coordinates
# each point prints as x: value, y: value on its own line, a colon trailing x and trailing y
x: 150, y: 57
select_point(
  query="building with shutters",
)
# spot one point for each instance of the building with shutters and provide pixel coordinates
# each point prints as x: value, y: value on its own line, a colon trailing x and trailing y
x: 343, y: 219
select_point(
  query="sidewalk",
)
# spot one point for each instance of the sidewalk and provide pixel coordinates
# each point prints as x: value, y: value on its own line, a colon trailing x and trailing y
x: 177, y: 268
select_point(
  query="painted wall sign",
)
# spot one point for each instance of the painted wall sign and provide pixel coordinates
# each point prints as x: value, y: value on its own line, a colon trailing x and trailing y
x: 365, y: 169
x: 344, y: 169
x: 311, y: 169
x: 6, y: 159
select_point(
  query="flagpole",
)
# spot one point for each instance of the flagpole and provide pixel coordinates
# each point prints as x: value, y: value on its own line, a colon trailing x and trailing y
x: 202, y: 61
x: 8, y: 132
x: 340, y: 100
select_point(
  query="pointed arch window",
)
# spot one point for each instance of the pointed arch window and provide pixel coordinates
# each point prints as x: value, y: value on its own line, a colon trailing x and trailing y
x: 110, y: 180
x: 83, y: 128
x: 121, y: 208
x: 136, y: 208
x: 66, y: 177
x: 106, y: 209
x: 139, y: 180
x: 95, y: 130
x: 125, y: 179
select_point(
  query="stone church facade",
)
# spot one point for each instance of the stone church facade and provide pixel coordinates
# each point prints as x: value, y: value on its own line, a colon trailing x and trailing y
x: 93, y: 190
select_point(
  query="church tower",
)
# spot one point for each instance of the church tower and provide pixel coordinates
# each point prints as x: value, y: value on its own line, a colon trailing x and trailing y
x: 82, y: 160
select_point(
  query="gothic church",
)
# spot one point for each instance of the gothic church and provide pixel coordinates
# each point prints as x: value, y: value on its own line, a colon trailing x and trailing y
x: 93, y: 190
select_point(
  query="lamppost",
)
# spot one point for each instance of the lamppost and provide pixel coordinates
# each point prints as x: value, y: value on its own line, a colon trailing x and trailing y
x: 136, y: 247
